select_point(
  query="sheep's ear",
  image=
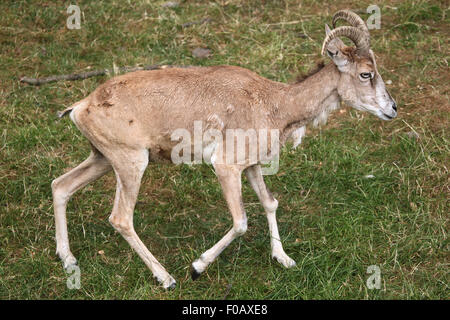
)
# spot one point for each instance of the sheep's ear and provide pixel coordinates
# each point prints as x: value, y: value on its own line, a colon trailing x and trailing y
x: 335, y: 45
x: 335, y: 50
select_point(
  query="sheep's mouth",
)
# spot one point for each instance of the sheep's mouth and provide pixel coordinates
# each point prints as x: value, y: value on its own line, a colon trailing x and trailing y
x: 384, y: 116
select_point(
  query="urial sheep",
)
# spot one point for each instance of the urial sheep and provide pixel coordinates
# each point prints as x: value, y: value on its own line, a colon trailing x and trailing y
x: 130, y: 118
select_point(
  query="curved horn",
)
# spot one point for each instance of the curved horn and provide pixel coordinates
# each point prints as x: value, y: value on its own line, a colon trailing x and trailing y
x: 351, y: 18
x: 358, y: 36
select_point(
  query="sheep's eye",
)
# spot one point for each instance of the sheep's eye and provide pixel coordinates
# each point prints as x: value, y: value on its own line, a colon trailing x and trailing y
x: 366, y: 75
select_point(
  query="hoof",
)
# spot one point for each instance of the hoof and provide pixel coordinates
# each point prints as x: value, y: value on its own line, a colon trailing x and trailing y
x: 194, y: 273
x: 284, y: 260
x: 169, y: 283
x: 69, y: 263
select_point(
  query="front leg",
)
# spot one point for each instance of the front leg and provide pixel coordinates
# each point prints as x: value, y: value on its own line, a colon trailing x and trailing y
x: 230, y: 181
x: 270, y: 204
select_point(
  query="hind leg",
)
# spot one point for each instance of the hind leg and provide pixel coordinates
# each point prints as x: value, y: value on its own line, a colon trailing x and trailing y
x: 63, y: 188
x: 129, y: 167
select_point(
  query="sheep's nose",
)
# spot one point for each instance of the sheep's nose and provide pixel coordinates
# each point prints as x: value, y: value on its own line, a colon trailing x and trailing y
x: 394, y: 106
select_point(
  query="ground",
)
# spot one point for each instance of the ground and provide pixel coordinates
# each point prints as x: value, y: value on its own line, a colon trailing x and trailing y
x: 334, y: 221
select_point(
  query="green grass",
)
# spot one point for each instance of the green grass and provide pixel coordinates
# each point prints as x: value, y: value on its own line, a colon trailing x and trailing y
x: 333, y: 221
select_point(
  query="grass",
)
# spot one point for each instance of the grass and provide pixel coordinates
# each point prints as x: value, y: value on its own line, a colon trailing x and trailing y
x: 333, y: 221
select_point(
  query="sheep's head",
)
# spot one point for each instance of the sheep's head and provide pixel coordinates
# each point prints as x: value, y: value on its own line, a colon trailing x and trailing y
x: 360, y: 84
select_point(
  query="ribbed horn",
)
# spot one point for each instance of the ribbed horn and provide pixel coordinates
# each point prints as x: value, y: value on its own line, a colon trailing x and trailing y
x: 351, y: 18
x: 355, y: 34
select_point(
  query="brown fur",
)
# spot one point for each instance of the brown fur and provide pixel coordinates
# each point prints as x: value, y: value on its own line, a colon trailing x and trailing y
x: 302, y: 77
x: 130, y: 118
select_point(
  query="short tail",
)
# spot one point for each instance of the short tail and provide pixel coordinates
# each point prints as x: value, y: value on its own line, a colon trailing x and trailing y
x: 65, y: 112
x: 71, y: 108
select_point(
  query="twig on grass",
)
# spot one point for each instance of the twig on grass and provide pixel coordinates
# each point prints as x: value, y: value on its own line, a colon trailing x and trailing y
x: 89, y: 74
x: 188, y: 24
